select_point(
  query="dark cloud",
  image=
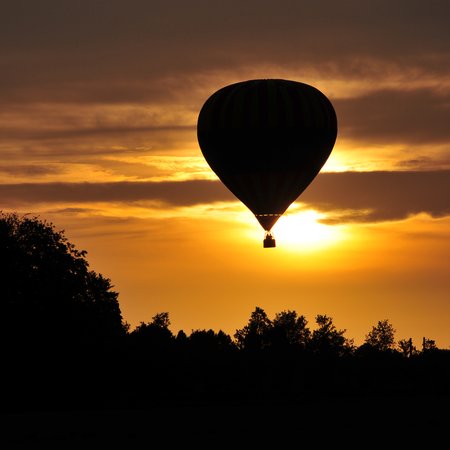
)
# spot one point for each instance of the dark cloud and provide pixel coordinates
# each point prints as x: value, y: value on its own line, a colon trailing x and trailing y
x: 83, y: 132
x: 117, y: 50
x: 391, y: 116
x: 414, y: 117
x: 174, y: 193
x: 350, y: 196
x: 31, y: 170
x: 425, y: 163
x: 381, y: 196
x: 165, y: 54
x: 72, y: 211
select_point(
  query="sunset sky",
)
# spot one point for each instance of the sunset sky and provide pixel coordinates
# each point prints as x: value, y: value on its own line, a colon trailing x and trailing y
x: 99, y: 106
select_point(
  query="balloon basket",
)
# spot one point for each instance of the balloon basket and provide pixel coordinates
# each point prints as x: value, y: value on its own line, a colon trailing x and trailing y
x: 269, y: 241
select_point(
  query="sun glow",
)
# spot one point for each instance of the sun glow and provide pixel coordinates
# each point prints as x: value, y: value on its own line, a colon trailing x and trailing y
x: 303, y: 230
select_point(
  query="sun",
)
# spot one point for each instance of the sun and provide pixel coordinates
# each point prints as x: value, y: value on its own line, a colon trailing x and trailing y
x: 303, y: 230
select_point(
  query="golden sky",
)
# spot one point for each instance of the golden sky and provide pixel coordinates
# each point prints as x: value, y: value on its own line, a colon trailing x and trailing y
x: 100, y: 101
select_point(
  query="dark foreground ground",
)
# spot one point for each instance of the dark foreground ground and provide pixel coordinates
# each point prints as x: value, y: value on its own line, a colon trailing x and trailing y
x: 362, y: 421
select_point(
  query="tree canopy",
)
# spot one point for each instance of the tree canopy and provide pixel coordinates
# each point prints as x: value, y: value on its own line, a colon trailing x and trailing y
x: 382, y: 336
x: 48, y: 290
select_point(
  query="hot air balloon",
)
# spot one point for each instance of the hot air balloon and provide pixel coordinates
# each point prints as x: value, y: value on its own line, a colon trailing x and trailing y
x: 266, y: 140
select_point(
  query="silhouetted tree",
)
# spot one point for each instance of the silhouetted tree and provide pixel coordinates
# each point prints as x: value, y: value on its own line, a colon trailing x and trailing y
x: 181, y: 338
x: 47, y: 290
x: 62, y: 327
x: 428, y: 345
x: 328, y: 340
x: 161, y: 320
x: 407, y: 348
x: 152, y: 356
x: 210, y: 341
x: 255, y: 335
x: 382, y: 336
x: 289, y: 330
x: 154, y: 335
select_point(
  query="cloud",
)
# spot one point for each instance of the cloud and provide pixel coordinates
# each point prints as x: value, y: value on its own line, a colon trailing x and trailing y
x: 30, y: 170
x: 414, y: 118
x: 85, y: 78
x: 347, y: 196
x: 425, y: 163
x: 380, y: 196
x: 120, y: 51
x: 99, y: 131
x: 419, y: 116
x: 174, y: 193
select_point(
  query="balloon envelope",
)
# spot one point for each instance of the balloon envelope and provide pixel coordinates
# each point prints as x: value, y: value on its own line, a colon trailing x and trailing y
x: 267, y: 140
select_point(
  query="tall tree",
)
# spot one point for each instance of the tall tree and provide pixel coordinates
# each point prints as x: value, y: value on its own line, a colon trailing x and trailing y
x: 382, y: 336
x: 407, y: 348
x: 428, y: 345
x: 289, y: 329
x: 328, y: 340
x: 154, y: 335
x: 210, y: 342
x: 47, y: 290
x: 255, y: 335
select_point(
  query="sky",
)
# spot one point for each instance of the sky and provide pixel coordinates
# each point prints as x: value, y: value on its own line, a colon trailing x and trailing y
x: 99, y: 106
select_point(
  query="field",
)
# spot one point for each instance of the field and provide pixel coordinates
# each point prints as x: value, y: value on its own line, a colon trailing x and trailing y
x: 366, y: 421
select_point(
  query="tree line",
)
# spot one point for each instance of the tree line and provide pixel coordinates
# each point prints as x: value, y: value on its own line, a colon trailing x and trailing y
x: 64, y: 343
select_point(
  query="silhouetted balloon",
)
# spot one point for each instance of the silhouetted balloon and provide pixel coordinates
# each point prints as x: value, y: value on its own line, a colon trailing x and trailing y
x: 267, y: 140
